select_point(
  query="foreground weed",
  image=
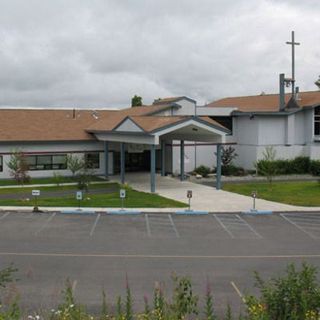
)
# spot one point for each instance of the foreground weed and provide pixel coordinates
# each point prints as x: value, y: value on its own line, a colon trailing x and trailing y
x: 184, y: 301
x: 209, y: 310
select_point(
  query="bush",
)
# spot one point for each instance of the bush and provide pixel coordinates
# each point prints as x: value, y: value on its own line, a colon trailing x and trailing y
x: 300, y: 165
x: 202, y: 170
x: 315, y: 167
x: 232, y: 170
x: 294, y: 296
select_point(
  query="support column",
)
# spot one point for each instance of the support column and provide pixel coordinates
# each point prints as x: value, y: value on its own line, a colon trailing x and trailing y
x: 218, y: 173
x: 106, y: 157
x: 122, y: 162
x: 163, y: 158
x: 153, y: 169
x: 181, y: 160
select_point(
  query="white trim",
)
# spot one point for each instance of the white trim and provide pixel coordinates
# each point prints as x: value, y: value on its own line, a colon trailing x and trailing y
x: 128, y: 138
x: 188, y: 123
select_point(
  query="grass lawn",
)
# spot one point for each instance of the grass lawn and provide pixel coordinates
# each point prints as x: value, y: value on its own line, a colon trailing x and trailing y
x: 299, y: 193
x: 135, y: 199
x: 12, y: 182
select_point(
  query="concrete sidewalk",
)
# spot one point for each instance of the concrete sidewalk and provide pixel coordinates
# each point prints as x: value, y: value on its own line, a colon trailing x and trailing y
x: 204, y: 198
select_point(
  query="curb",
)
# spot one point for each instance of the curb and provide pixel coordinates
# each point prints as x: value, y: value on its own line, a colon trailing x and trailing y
x: 191, y: 212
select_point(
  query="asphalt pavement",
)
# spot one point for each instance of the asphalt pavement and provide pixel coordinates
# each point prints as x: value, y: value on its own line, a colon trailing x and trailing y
x: 98, y: 251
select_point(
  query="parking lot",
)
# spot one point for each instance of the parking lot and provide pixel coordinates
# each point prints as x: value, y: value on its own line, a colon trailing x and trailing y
x: 98, y: 251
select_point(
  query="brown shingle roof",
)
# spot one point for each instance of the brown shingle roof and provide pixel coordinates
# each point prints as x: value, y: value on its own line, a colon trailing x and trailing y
x: 266, y: 102
x: 47, y: 125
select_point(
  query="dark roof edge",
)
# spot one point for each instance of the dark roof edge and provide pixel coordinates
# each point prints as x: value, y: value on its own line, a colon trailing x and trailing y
x: 265, y: 113
x: 175, y: 100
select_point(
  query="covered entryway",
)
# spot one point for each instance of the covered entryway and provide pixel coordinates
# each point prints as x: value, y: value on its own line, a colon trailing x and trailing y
x: 154, y: 133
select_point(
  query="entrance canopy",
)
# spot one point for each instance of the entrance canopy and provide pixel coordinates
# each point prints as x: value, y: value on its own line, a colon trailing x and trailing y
x: 155, y: 130
x: 149, y: 129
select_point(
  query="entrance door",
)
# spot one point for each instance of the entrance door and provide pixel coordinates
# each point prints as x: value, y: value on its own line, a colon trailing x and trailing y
x: 134, y: 161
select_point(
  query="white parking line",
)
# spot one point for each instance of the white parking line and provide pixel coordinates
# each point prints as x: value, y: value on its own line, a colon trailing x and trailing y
x: 173, y: 226
x: 297, y: 226
x: 238, y: 292
x: 45, y: 224
x: 250, y: 227
x: 223, y: 226
x: 95, y: 224
x: 148, y: 225
x: 5, y: 215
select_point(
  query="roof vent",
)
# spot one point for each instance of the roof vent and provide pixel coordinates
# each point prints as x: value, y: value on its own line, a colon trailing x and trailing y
x: 317, y: 83
x: 95, y: 114
x: 262, y: 93
x: 296, y: 96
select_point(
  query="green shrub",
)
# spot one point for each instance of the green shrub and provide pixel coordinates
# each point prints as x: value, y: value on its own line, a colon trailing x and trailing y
x: 300, y: 165
x: 315, y: 167
x: 232, y: 170
x: 294, y: 296
x: 202, y: 170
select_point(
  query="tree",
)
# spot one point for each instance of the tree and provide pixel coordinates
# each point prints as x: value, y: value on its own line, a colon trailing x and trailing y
x: 227, y: 155
x: 267, y: 165
x: 19, y: 167
x: 82, y: 171
x: 75, y: 164
x: 136, y: 101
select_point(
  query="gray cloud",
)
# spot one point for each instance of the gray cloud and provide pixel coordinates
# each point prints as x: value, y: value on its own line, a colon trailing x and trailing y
x: 102, y: 52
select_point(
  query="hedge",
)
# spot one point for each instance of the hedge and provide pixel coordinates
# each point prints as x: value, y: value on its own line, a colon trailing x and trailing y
x: 298, y: 165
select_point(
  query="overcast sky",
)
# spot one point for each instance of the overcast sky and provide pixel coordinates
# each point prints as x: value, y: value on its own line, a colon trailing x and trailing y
x: 77, y: 53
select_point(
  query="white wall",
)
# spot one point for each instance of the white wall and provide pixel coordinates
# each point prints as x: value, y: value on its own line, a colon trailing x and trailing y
x: 246, y: 130
x: 188, y: 108
x: 271, y: 130
x: 195, y: 156
x: 308, y: 125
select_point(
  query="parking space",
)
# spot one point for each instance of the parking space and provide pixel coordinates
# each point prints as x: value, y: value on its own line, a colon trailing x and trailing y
x: 159, y: 226
x: 120, y: 226
x: 199, y: 227
x: 307, y: 223
x: 236, y: 227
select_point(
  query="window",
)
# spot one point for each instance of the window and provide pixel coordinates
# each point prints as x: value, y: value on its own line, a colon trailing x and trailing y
x: 317, y: 121
x: 47, y: 162
x: 1, y: 164
x: 92, y: 160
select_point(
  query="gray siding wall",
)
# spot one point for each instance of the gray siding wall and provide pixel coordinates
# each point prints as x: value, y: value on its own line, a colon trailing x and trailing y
x: 188, y: 108
x: 77, y: 148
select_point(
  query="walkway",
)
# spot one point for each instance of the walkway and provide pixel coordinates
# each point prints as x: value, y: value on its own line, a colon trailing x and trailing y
x: 204, y: 197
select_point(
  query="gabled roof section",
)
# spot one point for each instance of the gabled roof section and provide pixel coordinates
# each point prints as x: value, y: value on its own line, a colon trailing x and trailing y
x: 117, y: 117
x: 171, y: 100
x: 266, y: 102
x: 128, y: 125
x: 150, y: 124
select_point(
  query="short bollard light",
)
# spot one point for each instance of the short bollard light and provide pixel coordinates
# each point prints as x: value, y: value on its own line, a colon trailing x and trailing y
x: 79, y: 197
x: 189, y: 196
x: 122, y: 197
x: 35, y: 194
x: 254, y: 196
